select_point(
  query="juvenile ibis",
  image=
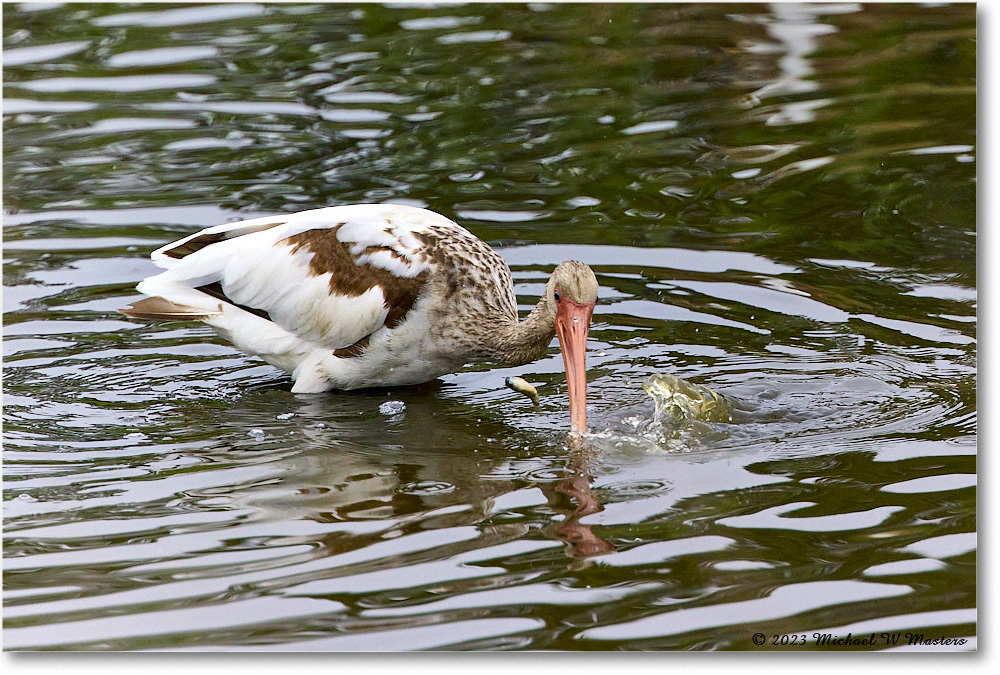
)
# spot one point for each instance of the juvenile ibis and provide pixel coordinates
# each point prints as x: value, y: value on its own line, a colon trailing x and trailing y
x: 368, y: 295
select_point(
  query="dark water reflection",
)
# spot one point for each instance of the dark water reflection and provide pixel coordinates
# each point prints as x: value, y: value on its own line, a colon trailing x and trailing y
x: 779, y: 202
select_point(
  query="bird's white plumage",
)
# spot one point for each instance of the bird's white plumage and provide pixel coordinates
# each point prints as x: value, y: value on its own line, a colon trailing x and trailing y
x: 368, y: 295
x: 258, y: 267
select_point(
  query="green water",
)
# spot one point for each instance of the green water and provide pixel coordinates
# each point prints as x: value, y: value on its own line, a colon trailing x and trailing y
x: 779, y: 204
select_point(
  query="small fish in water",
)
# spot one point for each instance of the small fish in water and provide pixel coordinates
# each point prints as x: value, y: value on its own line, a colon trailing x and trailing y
x: 522, y: 386
x: 683, y: 400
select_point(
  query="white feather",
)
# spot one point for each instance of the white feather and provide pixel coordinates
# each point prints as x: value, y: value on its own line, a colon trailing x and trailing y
x: 398, y: 266
x: 363, y: 235
x: 405, y: 355
x: 257, y: 269
x: 178, y: 293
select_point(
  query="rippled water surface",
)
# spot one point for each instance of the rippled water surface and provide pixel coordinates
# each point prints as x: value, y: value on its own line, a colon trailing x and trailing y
x: 779, y: 204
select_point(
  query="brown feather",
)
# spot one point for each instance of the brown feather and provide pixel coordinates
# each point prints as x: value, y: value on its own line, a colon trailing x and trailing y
x: 202, y: 240
x: 215, y: 290
x: 158, y: 308
x: 357, y: 349
x: 349, y: 278
x: 193, y: 245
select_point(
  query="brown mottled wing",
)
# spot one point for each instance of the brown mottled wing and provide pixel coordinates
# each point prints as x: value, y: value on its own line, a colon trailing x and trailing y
x: 331, y: 277
x: 353, y: 271
x: 355, y: 275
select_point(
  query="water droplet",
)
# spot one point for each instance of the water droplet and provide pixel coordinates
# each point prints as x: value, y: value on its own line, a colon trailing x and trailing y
x: 284, y: 416
x: 25, y: 497
x: 320, y: 425
x: 392, y: 407
x: 256, y: 433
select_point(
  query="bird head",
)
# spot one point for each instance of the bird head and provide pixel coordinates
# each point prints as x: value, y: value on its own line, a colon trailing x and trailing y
x: 572, y: 294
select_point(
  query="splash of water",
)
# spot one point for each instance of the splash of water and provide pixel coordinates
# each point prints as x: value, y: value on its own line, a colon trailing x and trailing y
x: 686, y: 417
x: 681, y: 401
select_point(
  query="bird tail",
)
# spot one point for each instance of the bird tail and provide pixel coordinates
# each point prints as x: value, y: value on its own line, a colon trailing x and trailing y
x: 161, y: 309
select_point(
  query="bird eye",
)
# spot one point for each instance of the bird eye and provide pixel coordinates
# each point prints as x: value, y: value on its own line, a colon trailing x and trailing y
x: 556, y: 295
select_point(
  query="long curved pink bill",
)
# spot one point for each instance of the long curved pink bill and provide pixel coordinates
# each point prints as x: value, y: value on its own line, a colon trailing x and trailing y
x: 572, y: 327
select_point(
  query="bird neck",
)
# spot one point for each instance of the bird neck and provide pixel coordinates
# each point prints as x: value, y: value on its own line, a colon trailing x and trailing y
x: 522, y: 342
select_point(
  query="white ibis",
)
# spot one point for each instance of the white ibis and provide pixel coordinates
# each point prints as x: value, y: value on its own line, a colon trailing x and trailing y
x: 368, y: 295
